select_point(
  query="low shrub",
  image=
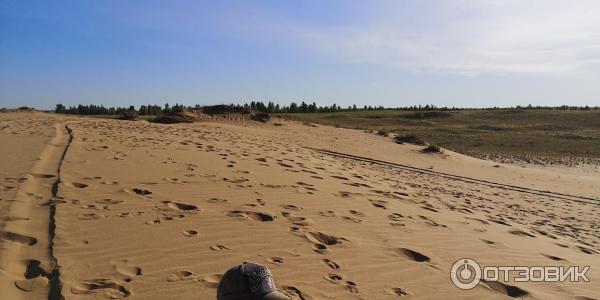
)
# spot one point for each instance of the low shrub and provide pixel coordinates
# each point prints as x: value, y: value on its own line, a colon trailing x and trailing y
x: 432, y: 149
x: 409, y: 138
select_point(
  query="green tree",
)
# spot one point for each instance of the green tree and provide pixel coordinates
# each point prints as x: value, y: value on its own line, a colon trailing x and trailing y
x: 60, y: 109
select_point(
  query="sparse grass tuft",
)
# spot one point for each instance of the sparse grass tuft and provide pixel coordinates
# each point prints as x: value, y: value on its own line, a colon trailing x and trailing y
x: 432, y: 149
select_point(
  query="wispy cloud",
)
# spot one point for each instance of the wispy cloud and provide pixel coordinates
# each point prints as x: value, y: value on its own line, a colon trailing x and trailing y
x: 464, y: 36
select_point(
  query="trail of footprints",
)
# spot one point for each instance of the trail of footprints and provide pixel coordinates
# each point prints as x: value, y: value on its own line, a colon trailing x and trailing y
x: 481, y: 207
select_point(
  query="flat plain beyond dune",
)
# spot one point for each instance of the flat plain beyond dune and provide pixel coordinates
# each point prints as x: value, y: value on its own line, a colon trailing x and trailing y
x: 107, y: 209
x: 538, y: 138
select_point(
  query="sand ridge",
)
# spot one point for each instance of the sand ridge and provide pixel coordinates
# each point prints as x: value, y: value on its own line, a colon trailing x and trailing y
x: 151, y: 211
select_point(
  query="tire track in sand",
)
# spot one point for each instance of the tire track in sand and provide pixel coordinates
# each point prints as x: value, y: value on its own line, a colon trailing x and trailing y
x: 28, y: 268
x: 550, y: 194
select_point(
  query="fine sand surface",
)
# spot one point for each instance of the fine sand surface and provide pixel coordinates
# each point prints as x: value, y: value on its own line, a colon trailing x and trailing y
x: 150, y: 211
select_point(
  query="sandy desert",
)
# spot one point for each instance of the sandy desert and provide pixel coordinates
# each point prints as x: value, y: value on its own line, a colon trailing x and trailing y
x: 105, y: 209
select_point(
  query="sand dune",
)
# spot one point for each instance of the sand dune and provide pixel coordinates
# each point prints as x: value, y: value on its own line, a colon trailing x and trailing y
x: 152, y: 211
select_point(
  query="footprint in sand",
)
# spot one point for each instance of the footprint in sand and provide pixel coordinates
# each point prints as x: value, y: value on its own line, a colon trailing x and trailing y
x: 395, y: 217
x: 79, y: 185
x: 109, y: 201
x: 125, y: 268
x: 251, y: 215
x: 211, y: 281
x: 90, y: 206
x: 429, y: 207
x: 431, y: 222
x: 6, y: 188
x: 357, y: 213
x: 499, y: 221
x: 379, y: 203
x: 12, y: 219
x: 153, y: 222
x: 174, y: 180
x: 395, y: 291
x: 296, y: 229
x: 43, y: 176
x: 484, y: 222
x: 130, y: 214
x: 141, y: 192
x: 291, y: 207
x: 330, y: 263
x: 587, y: 250
x: 112, y: 288
x: 276, y: 260
x: 351, y: 287
x: 297, y: 220
x: 216, y: 200
x: 35, y: 196
x: 285, y: 165
x: 324, y: 239
x: 505, y: 289
x: 190, y: 233
x: 412, y: 255
x: 351, y: 219
x: 181, y: 276
x: 552, y: 257
x: 181, y: 206
x: 91, y: 216
x: 18, y: 238
x: 343, y: 194
x: 307, y: 186
x: 544, y: 233
x: 334, y: 278
x: 295, y: 293
x: 521, y: 233
x: 169, y: 217
x: 326, y: 213
x: 561, y: 245
x: 109, y: 182
x: 219, y: 247
x: 320, y: 248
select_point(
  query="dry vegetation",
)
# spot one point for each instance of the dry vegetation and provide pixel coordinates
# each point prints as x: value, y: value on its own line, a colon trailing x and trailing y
x: 545, y: 136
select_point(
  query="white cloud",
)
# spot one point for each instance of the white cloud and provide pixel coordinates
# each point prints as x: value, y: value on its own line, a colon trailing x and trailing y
x: 462, y: 36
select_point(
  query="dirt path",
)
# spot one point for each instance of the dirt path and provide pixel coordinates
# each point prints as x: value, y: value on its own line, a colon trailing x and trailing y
x: 28, y: 267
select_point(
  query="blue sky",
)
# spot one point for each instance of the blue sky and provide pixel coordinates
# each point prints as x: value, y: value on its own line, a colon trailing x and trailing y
x: 475, y: 53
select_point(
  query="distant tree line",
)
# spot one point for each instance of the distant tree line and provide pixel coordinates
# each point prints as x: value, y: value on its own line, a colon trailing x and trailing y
x: 271, y: 107
x: 150, y: 110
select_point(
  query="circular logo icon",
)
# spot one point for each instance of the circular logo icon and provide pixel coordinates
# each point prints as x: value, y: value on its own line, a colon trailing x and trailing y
x: 465, y: 273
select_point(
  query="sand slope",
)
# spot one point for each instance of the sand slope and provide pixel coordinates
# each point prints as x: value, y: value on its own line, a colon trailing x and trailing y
x: 148, y: 211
